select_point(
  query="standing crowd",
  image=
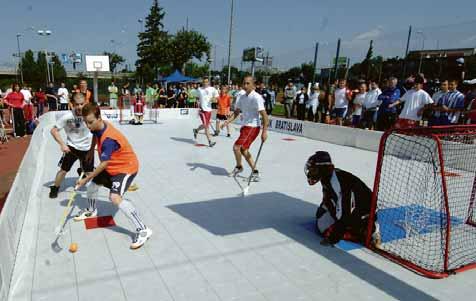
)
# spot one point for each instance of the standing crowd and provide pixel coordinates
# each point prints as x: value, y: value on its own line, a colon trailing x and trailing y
x: 366, y: 105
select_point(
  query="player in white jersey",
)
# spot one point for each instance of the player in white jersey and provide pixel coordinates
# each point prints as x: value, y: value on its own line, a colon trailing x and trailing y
x: 79, y: 142
x: 206, y: 95
x: 251, y: 106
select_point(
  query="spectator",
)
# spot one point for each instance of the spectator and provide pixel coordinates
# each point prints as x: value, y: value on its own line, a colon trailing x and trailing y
x: 289, y: 97
x: 15, y: 100
x: 2, y: 107
x: 171, y: 96
x: 83, y: 88
x: 272, y: 94
x: 342, y: 95
x: 313, y: 103
x: 387, y: 114
x: 266, y: 96
x: 75, y: 89
x: 370, y: 106
x: 182, y: 98
x: 301, y: 99
x: 40, y: 99
x: 435, y: 112
x: 192, y: 95
x: 156, y: 96
x: 450, y: 105
x: 51, y: 97
x: 125, y: 96
x: 113, y: 95
x: 63, y: 95
x: 471, y: 103
x: 150, y: 93
x: 26, y: 94
x: 162, y: 97
x: 415, y: 101
x: 357, y: 105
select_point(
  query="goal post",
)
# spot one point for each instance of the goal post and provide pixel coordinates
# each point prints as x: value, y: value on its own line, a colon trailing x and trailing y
x: 126, y: 113
x: 424, y: 199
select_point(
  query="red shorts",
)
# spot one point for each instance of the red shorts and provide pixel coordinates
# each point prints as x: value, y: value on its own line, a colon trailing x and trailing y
x: 248, y: 134
x: 405, y: 123
x: 205, y: 117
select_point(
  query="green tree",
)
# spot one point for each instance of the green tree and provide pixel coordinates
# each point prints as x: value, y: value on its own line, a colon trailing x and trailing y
x: 58, y: 70
x: 114, y: 60
x: 30, y: 69
x: 194, y: 70
x: 186, y: 45
x: 153, y: 44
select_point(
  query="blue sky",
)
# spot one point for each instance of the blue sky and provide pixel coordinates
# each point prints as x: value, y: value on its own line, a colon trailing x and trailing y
x: 287, y: 29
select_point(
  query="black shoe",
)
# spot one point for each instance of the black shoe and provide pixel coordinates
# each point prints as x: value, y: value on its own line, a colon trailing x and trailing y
x: 212, y: 144
x: 53, y: 192
x: 195, y: 133
x: 228, y: 135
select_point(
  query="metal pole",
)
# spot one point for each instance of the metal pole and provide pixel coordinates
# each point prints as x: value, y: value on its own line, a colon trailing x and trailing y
x: 95, y: 87
x: 47, y: 67
x: 253, y: 69
x: 347, y: 68
x: 20, y: 58
x: 315, y: 62
x: 229, y: 42
x: 337, y: 60
x: 406, y: 52
x: 52, y: 72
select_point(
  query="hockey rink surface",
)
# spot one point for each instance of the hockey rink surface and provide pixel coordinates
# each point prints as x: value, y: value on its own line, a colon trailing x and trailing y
x: 210, y: 242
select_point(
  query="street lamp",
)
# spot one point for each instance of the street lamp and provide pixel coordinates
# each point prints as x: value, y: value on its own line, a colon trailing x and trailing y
x: 45, y: 33
x: 141, y: 21
x: 19, y: 57
x: 422, y: 48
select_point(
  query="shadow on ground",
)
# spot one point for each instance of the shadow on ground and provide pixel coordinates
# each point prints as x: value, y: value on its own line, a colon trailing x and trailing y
x: 214, y: 170
x: 291, y: 217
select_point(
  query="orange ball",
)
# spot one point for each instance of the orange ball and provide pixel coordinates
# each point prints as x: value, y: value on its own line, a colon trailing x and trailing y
x: 73, y: 247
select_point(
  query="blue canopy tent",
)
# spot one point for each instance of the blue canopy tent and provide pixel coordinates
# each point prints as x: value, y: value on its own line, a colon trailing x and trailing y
x: 178, y: 77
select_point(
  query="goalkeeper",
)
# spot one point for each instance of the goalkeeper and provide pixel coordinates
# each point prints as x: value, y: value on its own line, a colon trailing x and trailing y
x: 344, y: 211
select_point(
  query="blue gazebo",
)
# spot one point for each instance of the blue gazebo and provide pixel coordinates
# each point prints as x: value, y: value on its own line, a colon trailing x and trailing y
x: 178, y: 77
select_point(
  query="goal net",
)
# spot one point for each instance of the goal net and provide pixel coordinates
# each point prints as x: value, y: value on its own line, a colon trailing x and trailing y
x: 127, y: 113
x: 424, y: 198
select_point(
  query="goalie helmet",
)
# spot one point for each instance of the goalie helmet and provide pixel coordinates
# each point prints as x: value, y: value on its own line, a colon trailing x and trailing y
x: 313, y: 169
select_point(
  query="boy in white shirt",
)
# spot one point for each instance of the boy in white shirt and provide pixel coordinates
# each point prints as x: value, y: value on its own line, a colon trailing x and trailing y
x: 370, y: 106
x: 358, y: 102
x: 251, y: 105
x: 206, y: 95
x: 63, y: 97
x: 415, y: 101
x: 79, y: 142
x: 341, y: 101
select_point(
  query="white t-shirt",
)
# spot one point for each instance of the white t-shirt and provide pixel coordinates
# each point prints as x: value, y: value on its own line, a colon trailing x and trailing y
x: 340, y: 96
x: 77, y: 133
x: 205, y: 96
x: 63, y: 95
x: 413, y: 101
x: 250, y: 105
x: 313, y: 100
x: 371, y: 99
x: 301, y: 98
x: 359, y: 100
x: 27, y: 95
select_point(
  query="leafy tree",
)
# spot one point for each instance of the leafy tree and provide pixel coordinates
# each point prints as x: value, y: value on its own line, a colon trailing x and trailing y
x: 30, y: 68
x: 153, y: 44
x: 194, y: 70
x: 114, y: 60
x: 186, y: 45
x: 58, y: 70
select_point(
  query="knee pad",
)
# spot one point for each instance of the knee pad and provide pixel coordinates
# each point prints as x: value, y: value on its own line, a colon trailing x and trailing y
x: 92, y: 190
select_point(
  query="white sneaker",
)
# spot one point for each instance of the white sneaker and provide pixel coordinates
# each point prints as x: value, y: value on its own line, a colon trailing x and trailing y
x: 141, y: 237
x: 85, y: 214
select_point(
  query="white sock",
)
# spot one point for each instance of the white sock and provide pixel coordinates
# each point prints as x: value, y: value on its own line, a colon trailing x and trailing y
x: 91, y: 204
x: 130, y: 211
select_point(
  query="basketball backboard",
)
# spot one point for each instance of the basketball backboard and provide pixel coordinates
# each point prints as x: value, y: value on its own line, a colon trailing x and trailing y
x: 97, y: 63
